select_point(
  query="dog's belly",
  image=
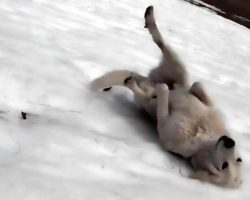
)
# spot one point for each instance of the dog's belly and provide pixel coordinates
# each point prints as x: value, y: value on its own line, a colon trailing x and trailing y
x: 186, y: 104
x: 186, y: 135
x: 177, y: 134
x: 182, y: 132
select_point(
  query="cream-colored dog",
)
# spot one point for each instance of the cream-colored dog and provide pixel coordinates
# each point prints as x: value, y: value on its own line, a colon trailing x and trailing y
x: 187, y: 122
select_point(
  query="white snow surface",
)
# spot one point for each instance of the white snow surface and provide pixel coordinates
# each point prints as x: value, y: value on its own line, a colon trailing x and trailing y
x: 78, y: 144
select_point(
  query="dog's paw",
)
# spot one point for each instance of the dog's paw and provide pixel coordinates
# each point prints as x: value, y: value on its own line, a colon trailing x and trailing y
x: 129, y: 81
x: 148, y: 11
x: 149, y: 16
x: 197, y: 86
x: 201, y: 175
x: 162, y: 87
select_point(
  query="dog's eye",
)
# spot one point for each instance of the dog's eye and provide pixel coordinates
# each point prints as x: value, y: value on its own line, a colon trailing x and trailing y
x: 239, y: 160
x: 225, y: 165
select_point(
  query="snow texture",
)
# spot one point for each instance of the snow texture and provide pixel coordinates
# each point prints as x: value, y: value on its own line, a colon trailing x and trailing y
x: 77, y: 144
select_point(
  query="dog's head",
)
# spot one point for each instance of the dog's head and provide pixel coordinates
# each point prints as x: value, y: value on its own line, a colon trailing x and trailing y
x: 228, y: 161
x: 222, y: 163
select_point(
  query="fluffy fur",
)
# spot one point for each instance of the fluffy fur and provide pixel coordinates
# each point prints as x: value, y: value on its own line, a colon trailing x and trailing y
x: 187, y: 122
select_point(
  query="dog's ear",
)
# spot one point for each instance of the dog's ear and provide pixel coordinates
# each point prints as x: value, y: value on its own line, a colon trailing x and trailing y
x: 226, y: 142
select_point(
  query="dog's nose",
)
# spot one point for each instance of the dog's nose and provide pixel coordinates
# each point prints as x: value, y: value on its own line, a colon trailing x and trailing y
x: 227, y: 142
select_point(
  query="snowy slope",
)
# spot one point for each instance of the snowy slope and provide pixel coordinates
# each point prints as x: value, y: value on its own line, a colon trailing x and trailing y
x: 82, y: 145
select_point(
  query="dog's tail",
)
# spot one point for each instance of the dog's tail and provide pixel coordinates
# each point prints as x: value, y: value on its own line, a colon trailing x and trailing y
x: 112, y: 78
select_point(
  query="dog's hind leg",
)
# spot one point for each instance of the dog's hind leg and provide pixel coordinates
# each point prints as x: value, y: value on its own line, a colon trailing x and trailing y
x: 150, y: 24
x: 198, y: 91
x: 171, y: 70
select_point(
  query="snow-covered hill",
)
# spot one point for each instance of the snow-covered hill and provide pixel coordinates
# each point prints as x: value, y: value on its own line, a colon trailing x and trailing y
x: 77, y: 144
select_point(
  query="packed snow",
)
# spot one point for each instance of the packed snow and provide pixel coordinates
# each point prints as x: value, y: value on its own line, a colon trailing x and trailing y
x: 80, y: 144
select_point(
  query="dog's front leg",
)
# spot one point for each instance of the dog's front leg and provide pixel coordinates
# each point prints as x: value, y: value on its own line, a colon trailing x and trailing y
x: 144, y: 98
x: 162, y: 93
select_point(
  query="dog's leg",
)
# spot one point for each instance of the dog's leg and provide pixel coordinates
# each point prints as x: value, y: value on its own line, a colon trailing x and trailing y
x: 162, y: 93
x: 144, y: 96
x: 151, y: 25
x: 171, y: 70
x: 206, y: 176
x: 145, y: 99
x: 200, y: 175
x: 131, y: 83
x: 198, y: 91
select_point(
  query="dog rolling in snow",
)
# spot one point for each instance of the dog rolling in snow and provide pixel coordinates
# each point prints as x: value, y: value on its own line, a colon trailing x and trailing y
x: 187, y: 122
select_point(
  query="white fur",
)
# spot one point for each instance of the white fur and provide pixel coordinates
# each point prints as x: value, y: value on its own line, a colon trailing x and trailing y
x: 187, y: 122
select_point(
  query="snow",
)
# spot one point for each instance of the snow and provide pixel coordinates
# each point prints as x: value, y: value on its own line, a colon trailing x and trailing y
x: 77, y: 144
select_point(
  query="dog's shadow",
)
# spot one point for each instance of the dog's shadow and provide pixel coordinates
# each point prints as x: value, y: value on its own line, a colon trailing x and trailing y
x: 124, y: 106
x: 120, y: 101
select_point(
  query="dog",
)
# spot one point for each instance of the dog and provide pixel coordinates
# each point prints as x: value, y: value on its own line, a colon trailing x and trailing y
x: 187, y: 121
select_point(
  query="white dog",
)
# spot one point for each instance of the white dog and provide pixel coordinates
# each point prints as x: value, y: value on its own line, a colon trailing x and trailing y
x: 187, y: 122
